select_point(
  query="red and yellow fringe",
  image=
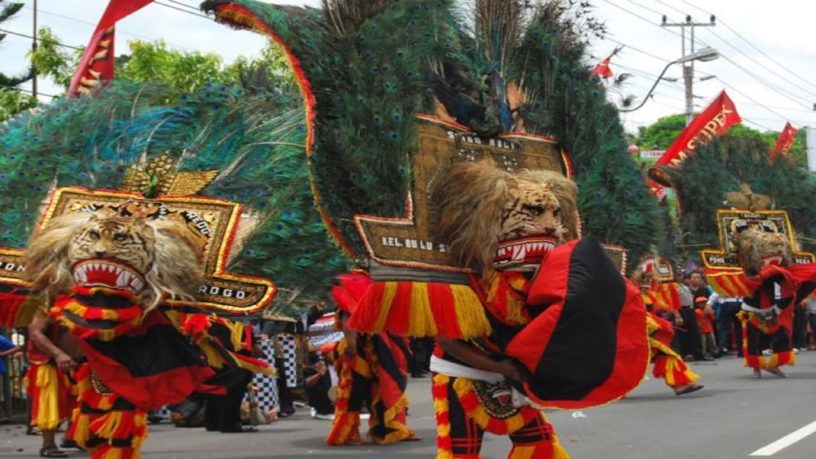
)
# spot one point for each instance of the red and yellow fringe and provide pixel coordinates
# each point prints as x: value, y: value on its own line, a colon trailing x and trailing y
x: 345, y: 429
x: 421, y: 309
x: 444, y: 445
x: 111, y: 426
x: 674, y: 370
x: 51, y: 397
x: 759, y: 362
x: 505, y: 296
x: 125, y: 319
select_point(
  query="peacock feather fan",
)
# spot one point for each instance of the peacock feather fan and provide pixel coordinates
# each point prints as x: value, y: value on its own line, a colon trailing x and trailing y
x: 703, y: 181
x: 368, y: 67
x: 253, y: 137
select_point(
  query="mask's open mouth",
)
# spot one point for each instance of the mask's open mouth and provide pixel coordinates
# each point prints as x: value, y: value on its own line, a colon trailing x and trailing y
x: 108, y: 273
x: 775, y: 260
x: 523, y: 251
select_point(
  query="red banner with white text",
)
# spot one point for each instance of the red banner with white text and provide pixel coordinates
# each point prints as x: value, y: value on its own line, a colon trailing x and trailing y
x: 713, y: 122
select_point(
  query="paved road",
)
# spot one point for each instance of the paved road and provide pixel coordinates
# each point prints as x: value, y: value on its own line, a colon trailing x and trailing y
x: 734, y: 416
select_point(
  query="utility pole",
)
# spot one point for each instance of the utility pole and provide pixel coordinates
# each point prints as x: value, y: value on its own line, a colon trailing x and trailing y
x: 34, y: 49
x: 688, y: 67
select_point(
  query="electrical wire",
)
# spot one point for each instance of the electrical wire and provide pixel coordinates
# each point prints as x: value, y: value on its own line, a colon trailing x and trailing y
x: 752, y: 99
x: 118, y: 30
x: 182, y: 9
x: 14, y: 88
x: 740, y: 36
x: 782, y: 92
x: 32, y: 38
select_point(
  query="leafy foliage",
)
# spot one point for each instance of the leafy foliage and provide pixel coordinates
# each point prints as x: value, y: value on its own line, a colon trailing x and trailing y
x: 12, y: 100
x: 52, y: 61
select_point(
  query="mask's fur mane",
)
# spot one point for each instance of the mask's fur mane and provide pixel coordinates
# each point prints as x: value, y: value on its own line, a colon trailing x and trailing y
x: 755, y: 246
x: 175, y: 271
x: 470, y: 198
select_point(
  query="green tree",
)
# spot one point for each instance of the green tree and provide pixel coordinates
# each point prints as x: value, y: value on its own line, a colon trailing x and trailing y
x: 51, y: 60
x: 13, y: 100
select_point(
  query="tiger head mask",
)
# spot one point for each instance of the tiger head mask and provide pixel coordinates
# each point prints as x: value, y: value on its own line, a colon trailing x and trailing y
x: 491, y: 218
x: 151, y: 257
x: 758, y: 249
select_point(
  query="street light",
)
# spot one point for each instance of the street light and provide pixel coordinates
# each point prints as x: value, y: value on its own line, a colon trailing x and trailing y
x: 704, y: 55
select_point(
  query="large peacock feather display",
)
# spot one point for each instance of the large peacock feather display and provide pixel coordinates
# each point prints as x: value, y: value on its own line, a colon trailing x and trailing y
x: 241, y: 142
x: 735, y: 165
x: 367, y: 68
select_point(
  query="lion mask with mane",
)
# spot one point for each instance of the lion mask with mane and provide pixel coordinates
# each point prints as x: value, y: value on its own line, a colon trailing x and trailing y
x: 491, y: 218
x: 152, y: 257
x: 758, y: 249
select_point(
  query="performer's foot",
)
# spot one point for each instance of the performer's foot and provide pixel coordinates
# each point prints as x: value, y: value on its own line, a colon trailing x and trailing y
x: 687, y: 388
x: 757, y: 373
x: 68, y: 443
x: 777, y: 372
x: 413, y: 437
x: 52, y: 451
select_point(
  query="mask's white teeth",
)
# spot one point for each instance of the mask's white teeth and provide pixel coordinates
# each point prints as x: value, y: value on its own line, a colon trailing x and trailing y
x: 121, y: 280
x: 522, y: 252
x: 137, y: 284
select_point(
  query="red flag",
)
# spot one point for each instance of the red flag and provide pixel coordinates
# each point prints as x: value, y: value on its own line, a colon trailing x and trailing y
x: 602, y: 69
x: 96, y: 66
x: 713, y: 122
x: 785, y: 141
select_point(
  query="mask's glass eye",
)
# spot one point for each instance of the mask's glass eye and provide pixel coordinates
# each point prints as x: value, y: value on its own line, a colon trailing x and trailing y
x: 93, y: 235
x: 534, y: 211
x: 120, y: 237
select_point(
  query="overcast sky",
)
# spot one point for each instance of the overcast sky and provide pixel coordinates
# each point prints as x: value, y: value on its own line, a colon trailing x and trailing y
x: 767, y: 63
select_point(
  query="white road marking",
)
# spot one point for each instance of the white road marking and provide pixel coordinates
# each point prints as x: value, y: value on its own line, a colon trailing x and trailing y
x: 787, y: 440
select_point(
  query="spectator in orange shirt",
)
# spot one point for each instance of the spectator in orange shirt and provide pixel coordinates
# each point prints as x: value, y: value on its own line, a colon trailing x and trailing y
x: 705, y: 315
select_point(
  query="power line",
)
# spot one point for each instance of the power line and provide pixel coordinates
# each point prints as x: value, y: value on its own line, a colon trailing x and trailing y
x: 632, y: 13
x: 696, y: 40
x: 40, y: 39
x: 646, y: 7
x: 647, y: 53
x: 785, y: 94
x: 756, y: 124
x: 118, y: 31
x: 14, y: 88
x: 182, y: 9
x: 757, y: 49
x: 770, y: 70
x: 672, y: 7
x: 188, y: 6
x: 751, y: 99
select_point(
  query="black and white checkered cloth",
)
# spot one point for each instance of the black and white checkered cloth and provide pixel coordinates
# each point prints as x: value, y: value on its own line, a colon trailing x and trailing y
x: 267, y: 385
x: 287, y: 350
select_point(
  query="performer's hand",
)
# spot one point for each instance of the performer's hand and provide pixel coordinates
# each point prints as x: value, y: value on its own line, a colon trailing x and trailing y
x: 509, y: 370
x: 351, y: 348
x: 320, y: 367
x: 64, y: 362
